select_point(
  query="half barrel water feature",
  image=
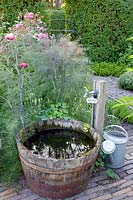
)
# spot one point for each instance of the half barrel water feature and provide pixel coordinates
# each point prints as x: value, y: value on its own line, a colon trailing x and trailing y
x: 58, y: 156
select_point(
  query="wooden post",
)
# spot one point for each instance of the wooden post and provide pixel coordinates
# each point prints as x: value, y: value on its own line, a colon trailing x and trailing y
x: 100, y: 106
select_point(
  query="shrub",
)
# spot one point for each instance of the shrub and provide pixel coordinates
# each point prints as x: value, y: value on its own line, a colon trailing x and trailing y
x: 102, y: 26
x: 126, y: 81
x: 107, y: 69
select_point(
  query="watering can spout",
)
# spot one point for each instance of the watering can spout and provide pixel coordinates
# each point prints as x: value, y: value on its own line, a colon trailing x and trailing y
x: 108, y: 147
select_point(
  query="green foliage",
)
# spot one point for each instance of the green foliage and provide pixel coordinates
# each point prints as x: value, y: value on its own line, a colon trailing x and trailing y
x: 53, y: 23
x: 59, y: 110
x: 99, y: 164
x: 129, y: 69
x: 123, y: 108
x: 110, y: 115
x: 58, y: 77
x: 10, y: 168
x: 131, y: 55
x: 126, y: 81
x: 112, y: 175
x: 120, y: 109
x: 102, y: 26
x: 10, y: 9
x: 125, y: 58
x: 108, y: 69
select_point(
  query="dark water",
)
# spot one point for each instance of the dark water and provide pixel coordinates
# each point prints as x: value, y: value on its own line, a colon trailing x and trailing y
x: 59, y: 143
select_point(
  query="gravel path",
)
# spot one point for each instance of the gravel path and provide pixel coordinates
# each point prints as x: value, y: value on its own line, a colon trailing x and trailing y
x: 112, y: 87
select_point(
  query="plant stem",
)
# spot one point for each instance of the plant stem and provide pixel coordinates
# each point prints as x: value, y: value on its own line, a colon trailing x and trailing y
x: 21, y: 107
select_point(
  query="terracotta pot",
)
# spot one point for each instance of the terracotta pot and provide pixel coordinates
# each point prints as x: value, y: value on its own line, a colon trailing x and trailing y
x: 57, y: 178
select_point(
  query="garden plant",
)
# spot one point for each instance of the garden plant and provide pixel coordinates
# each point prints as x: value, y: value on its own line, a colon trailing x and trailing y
x: 40, y: 78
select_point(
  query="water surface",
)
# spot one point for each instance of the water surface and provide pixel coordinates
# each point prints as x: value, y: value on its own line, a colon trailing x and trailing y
x: 59, y: 143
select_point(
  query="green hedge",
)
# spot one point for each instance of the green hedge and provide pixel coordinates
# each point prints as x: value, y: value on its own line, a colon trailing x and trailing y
x: 108, y: 69
x: 10, y: 9
x: 102, y: 26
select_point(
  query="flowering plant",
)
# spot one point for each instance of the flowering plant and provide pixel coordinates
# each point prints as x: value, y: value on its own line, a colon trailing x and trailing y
x: 42, y: 71
x: 40, y: 78
x: 13, y: 45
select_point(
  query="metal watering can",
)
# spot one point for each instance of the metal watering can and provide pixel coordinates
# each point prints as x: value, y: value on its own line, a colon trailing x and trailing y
x: 114, y: 146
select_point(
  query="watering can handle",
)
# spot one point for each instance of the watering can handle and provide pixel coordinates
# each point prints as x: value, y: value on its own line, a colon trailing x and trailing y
x: 116, y: 126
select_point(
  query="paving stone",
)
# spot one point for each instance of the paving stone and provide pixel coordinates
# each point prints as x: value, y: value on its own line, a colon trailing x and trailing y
x: 83, y: 198
x: 8, y: 196
x: 32, y: 197
x: 130, y: 193
x: 126, y: 184
x: 130, y: 171
x: 103, y: 197
x: 120, y: 197
x: 7, y: 192
x: 92, y: 185
x: 99, y: 178
x: 22, y: 195
x: 105, y: 182
x: 129, y: 177
x: 124, y: 191
x: 122, y: 174
x: 92, y: 195
x: 129, y: 198
x: 93, y: 190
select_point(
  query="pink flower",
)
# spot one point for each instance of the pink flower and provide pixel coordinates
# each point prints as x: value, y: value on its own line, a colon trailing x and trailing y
x: 19, y: 26
x: 30, y: 15
x: 23, y: 65
x: 40, y: 36
x: 10, y: 36
x: 41, y: 29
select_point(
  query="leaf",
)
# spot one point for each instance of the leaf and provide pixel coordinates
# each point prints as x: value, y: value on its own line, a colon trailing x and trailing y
x: 86, y: 127
x: 131, y: 56
x: 111, y: 174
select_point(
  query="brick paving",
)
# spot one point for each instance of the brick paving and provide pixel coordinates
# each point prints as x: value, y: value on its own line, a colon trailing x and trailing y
x: 100, y: 186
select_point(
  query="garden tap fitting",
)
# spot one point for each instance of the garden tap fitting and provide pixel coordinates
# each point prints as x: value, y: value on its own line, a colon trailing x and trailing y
x: 94, y: 96
x: 94, y: 93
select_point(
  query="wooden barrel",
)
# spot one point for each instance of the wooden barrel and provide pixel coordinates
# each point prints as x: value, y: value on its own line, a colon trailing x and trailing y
x: 57, y: 178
